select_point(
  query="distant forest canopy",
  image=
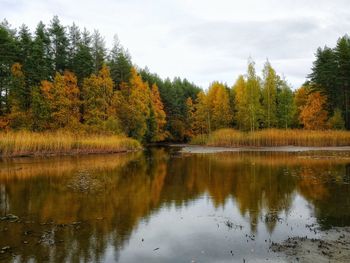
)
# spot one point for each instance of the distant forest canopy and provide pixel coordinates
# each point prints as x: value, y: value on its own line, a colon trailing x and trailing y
x: 62, y: 77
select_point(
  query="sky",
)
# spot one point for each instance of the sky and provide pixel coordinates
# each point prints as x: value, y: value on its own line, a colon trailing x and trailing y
x: 202, y: 40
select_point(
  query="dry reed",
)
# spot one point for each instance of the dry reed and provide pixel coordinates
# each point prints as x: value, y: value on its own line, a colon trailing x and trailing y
x: 274, y: 137
x: 30, y: 143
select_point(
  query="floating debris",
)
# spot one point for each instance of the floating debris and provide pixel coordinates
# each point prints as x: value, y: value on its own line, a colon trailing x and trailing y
x: 9, y: 217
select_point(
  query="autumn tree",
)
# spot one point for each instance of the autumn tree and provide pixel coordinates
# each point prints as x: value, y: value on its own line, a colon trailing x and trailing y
x: 330, y: 76
x: 157, y: 112
x: 253, y: 97
x: 285, y: 106
x: 269, y: 95
x: 97, y: 95
x: 218, y: 103
x: 201, y: 115
x: 313, y: 115
x: 240, y: 103
x: 190, y: 113
x: 299, y: 101
x: 336, y: 122
x: 132, y: 104
x: 62, y: 96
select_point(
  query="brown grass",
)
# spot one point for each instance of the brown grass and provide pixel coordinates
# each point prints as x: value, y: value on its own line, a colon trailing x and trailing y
x: 274, y: 137
x: 30, y: 143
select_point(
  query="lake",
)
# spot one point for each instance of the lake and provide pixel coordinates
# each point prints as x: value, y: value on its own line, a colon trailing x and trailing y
x: 161, y: 205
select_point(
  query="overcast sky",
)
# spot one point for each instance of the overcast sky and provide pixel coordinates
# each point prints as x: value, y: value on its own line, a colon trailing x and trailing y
x: 202, y: 40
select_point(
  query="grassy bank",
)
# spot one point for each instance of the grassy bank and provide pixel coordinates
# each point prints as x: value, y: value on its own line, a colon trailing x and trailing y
x: 30, y: 143
x: 274, y: 137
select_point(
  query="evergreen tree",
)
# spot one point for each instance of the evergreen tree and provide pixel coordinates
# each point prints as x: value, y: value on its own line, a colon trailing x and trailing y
x: 342, y: 53
x: 98, y: 49
x: 42, y: 66
x: 324, y: 75
x: 18, y: 92
x: 83, y: 61
x: 120, y: 64
x: 59, y: 45
x: 8, y: 56
x: 74, y: 40
x: 40, y: 110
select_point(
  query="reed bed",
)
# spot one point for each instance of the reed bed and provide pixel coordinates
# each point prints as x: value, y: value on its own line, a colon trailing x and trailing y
x: 30, y: 143
x: 274, y: 137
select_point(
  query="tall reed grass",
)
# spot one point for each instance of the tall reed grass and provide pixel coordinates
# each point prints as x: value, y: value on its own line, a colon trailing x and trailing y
x: 30, y: 143
x: 274, y: 137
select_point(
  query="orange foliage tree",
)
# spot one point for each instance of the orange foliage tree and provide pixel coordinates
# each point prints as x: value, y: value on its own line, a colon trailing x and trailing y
x: 313, y: 115
x: 62, y: 96
x: 159, y: 133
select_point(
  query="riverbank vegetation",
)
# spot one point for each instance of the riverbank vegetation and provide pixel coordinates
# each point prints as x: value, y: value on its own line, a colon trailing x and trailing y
x: 62, y: 78
x: 273, y: 137
x: 47, y: 143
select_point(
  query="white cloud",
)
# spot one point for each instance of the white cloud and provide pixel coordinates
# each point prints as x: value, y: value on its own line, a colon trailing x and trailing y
x: 202, y: 40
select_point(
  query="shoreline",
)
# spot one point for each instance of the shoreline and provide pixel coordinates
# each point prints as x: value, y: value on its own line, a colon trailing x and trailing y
x: 67, y: 153
x: 200, y: 149
x: 24, y: 143
x: 332, y: 245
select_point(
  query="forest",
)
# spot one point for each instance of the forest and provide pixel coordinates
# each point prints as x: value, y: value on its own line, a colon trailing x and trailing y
x: 63, y: 78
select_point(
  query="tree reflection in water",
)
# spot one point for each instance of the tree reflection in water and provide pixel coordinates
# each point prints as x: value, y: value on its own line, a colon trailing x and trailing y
x: 90, y: 202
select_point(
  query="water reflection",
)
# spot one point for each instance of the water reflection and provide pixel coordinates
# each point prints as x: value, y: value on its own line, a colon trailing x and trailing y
x: 110, y: 207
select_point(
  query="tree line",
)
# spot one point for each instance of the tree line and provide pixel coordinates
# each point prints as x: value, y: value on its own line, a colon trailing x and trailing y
x: 62, y: 77
x: 261, y: 102
x: 330, y: 76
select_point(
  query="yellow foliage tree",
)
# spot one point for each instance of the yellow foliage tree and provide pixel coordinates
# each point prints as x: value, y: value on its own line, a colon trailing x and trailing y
x: 62, y: 96
x: 218, y: 102
x: 133, y: 106
x: 201, y: 123
x: 97, y: 94
x: 300, y: 100
x: 253, y: 90
x: 313, y: 115
x: 159, y: 133
x: 240, y: 104
x: 269, y: 93
x: 189, y: 118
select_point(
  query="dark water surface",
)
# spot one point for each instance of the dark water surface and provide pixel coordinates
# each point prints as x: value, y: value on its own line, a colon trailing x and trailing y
x: 163, y: 206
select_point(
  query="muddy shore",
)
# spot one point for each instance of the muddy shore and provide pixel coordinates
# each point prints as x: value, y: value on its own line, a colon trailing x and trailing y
x: 211, y: 149
x: 332, y: 246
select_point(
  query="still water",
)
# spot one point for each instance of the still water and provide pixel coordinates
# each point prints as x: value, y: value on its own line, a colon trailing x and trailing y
x: 164, y: 206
